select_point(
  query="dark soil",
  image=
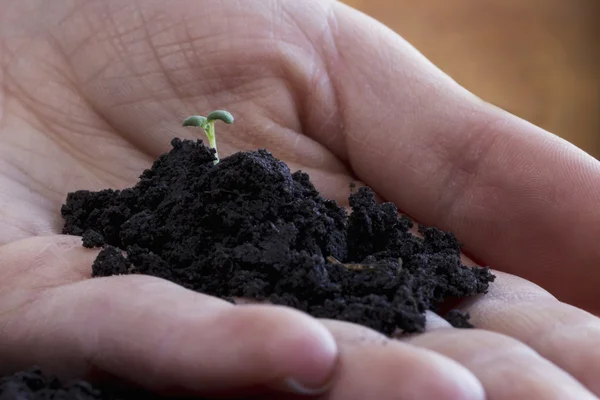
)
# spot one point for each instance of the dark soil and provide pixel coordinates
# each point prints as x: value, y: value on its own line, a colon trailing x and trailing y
x: 33, y: 385
x: 459, y: 319
x: 250, y: 228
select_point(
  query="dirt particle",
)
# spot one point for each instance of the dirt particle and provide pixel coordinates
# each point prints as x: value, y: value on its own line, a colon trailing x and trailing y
x: 459, y: 319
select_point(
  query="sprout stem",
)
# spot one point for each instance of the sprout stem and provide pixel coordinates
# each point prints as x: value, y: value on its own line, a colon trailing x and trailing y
x: 208, y: 125
x: 212, y: 140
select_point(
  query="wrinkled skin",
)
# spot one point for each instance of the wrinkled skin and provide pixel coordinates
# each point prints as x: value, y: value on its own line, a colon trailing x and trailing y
x: 92, y: 91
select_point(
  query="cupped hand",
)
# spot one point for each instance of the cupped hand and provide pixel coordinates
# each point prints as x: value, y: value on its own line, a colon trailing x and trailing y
x: 92, y: 91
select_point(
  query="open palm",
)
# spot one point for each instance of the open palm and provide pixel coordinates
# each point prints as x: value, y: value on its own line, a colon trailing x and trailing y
x: 92, y: 91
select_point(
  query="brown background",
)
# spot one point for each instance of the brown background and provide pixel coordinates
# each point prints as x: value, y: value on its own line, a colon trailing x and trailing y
x: 539, y: 59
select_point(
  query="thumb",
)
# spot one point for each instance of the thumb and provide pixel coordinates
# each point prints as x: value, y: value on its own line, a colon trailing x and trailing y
x: 162, y: 337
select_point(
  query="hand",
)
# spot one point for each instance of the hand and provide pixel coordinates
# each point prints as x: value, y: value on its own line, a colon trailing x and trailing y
x: 92, y: 92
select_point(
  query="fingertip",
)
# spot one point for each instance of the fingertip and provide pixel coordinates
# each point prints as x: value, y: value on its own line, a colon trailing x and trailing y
x: 446, y: 378
x: 461, y: 384
x: 304, y: 348
x: 434, y: 321
x: 372, y: 365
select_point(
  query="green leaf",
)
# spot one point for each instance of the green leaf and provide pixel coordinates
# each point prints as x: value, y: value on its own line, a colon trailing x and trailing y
x: 196, y: 120
x: 221, y: 115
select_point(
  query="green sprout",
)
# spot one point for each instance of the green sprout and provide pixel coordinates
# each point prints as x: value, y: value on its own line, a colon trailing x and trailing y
x: 208, y: 124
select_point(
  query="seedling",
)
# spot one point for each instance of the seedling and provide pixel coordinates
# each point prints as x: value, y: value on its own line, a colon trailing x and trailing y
x: 208, y: 124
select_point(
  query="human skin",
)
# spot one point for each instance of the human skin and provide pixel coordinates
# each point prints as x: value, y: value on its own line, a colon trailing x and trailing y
x: 92, y: 91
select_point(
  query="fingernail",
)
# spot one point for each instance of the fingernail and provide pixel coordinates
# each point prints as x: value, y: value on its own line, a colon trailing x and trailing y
x: 315, y: 360
x: 471, y: 389
x: 293, y: 386
x: 461, y: 384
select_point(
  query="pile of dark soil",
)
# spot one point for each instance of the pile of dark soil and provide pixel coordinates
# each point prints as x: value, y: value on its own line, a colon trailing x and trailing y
x: 248, y: 227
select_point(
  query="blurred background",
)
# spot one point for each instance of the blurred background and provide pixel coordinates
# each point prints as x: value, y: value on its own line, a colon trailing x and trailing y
x: 538, y: 59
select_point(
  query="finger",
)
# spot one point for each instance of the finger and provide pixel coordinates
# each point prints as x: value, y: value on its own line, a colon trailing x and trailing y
x: 561, y: 333
x: 434, y: 321
x: 155, y: 334
x: 506, y: 368
x: 165, y: 338
x: 371, y: 366
x: 519, y: 198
